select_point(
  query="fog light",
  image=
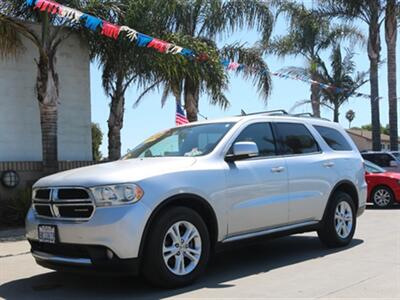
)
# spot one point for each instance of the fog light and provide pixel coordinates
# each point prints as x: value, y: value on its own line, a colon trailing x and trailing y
x: 109, y: 254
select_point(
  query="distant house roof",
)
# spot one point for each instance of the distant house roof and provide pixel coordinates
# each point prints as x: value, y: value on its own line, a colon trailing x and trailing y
x: 367, y: 134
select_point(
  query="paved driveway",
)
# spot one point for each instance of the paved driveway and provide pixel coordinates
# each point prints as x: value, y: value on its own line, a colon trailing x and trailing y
x: 293, y: 267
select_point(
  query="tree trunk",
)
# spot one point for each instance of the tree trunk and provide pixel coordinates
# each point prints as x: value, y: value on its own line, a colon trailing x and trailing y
x: 315, y: 101
x: 391, y: 38
x: 374, y: 48
x: 336, y: 113
x: 192, y: 93
x: 115, y: 121
x: 47, y: 89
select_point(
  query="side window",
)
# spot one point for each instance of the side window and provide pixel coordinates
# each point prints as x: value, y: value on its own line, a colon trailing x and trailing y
x: 333, y: 138
x: 295, y: 138
x: 261, y: 134
x: 372, y: 158
x: 384, y: 160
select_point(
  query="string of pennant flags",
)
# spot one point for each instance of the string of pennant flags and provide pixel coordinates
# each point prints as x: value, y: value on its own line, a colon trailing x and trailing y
x: 142, y: 40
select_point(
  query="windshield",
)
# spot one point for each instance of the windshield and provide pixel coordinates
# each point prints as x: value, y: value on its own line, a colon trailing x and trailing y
x: 193, y: 140
x: 372, y: 168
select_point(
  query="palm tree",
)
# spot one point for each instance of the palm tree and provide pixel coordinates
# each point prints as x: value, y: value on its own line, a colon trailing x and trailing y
x: 392, y: 11
x: 370, y: 12
x: 350, y: 116
x: 121, y: 62
x: 342, y: 75
x: 203, y: 21
x: 47, y: 41
x: 309, y: 34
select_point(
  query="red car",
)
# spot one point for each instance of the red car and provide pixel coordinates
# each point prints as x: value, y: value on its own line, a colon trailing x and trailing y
x: 383, y: 186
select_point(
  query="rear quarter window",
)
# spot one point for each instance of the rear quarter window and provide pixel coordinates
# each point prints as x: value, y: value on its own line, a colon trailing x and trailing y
x: 333, y: 138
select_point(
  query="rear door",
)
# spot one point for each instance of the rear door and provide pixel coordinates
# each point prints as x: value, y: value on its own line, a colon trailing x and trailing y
x: 257, y: 188
x: 310, y: 171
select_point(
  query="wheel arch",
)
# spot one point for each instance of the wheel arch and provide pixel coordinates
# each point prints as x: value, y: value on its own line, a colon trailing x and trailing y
x: 347, y: 187
x: 195, y: 202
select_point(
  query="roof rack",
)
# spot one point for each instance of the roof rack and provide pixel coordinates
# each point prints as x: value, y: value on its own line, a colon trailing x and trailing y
x: 282, y: 112
x: 276, y: 112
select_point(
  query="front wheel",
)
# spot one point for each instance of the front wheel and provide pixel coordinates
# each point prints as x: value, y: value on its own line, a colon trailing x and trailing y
x: 178, y: 248
x: 337, y: 228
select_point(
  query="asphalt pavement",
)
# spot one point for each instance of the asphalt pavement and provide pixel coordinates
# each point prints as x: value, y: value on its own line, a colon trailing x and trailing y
x: 292, y: 267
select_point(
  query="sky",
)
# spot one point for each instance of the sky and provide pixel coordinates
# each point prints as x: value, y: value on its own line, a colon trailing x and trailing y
x: 149, y: 118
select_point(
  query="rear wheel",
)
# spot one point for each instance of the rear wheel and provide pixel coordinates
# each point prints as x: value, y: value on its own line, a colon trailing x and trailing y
x: 337, y: 228
x: 178, y: 248
x: 382, y: 197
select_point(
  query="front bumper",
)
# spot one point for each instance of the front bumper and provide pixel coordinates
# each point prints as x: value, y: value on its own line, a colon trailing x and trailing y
x: 118, y: 229
x: 70, y: 257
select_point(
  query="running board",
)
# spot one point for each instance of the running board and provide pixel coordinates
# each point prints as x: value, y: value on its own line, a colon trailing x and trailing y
x: 269, y: 231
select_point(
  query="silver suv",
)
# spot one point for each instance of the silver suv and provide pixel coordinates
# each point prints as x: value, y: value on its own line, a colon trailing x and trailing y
x: 185, y: 192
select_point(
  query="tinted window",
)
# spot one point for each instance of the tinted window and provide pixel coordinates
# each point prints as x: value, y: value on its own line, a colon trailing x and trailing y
x: 333, y: 138
x: 261, y: 134
x: 295, y: 139
x: 372, y: 168
x: 380, y: 159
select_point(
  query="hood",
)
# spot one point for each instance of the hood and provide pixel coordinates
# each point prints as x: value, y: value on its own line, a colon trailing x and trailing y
x: 131, y: 170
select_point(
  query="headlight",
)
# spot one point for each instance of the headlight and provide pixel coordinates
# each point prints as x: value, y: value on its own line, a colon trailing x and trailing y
x: 118, y: 194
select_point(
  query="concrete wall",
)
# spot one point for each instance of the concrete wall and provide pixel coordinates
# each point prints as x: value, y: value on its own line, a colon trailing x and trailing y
x: 20, y: 136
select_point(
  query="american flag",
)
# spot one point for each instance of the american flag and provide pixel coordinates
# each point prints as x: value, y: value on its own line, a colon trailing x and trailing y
x: 180, y: 117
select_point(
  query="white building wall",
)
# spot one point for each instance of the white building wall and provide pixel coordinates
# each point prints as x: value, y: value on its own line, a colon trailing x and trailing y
x: 20, y: 135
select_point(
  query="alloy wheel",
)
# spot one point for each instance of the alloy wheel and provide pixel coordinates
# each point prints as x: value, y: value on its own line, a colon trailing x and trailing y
x: 182, y: 248
x: 343, y: 219
x: 382, y: 197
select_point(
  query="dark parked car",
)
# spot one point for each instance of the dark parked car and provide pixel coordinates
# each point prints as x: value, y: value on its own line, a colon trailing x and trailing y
x: 385, y: 160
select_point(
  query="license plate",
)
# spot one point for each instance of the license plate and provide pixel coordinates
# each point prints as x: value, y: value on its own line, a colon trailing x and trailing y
x: 47, y: 234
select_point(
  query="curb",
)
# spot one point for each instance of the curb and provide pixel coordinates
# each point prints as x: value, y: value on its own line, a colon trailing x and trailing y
x: 12, y: 234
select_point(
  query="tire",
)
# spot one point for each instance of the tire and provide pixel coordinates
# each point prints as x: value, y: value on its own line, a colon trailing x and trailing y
x: 161, y: 268
x: 335, y: 230
x: 382, y: 197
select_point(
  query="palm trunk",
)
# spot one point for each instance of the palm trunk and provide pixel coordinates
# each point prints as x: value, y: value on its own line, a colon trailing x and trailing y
x: 192, y: 93
x: 336, y: 113
x: 374, y: 48
x: 315, y: 101
x: 47, y: 88
x: 115, y: 121
x: 391, y: 39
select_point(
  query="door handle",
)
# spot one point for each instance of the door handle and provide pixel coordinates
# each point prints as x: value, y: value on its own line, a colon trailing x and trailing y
x: 277, y: 169
x: 329, y: 164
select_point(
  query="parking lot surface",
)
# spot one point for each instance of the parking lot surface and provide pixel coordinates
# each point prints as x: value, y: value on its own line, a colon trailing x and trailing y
x: 292, y: 267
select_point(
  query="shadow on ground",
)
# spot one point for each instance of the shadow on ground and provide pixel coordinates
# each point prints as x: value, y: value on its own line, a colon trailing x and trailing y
x: 229, y: 265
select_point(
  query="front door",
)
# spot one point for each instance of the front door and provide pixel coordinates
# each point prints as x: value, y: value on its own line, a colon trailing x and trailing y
x: 257, y: 187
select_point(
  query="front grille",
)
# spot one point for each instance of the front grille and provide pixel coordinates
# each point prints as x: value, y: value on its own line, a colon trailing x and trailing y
x: 63, y: 203
x: 43, y: 194
x: 43, y: 210
x: 76, y: 212
x: 72, y: 194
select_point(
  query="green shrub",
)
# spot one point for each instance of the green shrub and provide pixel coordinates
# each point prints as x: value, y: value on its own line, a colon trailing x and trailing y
x: 15, y: 209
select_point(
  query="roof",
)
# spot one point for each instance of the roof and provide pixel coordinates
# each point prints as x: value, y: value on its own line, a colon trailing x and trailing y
x: 268, y: 117
x: 367, y: 134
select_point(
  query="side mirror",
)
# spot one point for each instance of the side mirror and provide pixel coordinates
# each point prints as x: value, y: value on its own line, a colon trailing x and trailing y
x: 394, y: 163
x: 242, y: 150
